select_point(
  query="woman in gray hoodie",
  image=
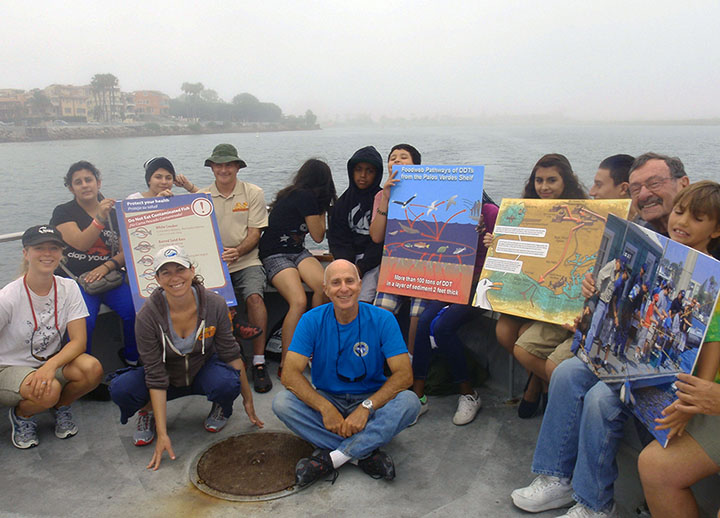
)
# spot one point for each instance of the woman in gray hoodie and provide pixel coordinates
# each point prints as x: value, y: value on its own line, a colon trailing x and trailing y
x: 186, y: 345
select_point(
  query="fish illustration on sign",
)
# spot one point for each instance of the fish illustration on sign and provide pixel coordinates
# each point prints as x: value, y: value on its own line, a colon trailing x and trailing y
x: 141, y: 232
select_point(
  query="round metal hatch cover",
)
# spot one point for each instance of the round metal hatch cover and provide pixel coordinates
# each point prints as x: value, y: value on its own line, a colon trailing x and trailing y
x: 250, y: 467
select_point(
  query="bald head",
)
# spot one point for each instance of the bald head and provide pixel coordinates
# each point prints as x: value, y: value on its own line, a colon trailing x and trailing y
x: 340, y: 266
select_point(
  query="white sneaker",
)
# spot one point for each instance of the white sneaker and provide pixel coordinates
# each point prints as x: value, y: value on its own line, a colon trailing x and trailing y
x: 424, y: 407
x: 581, y: 511
x: 545, y: 492
x: 467, y: 409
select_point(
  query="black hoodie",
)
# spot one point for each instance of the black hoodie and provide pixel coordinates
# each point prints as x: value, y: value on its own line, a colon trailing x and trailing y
x: 349, y: 230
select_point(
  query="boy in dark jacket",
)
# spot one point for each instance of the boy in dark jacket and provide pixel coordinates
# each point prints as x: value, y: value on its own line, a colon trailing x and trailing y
x: 349, y: 231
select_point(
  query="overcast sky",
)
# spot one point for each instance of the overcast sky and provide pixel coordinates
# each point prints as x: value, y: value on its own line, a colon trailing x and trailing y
x: 603, y: 60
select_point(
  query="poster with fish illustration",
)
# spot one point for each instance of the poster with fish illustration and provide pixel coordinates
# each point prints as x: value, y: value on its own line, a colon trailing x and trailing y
x: 431, y: 239
x: 540, y: 253
x: 188, y: 220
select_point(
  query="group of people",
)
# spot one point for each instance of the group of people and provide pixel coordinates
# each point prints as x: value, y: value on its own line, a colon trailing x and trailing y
x: 367, y: 382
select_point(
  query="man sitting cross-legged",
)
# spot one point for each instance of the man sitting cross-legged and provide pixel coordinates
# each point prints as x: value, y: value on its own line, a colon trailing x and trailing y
x: 352, y: 409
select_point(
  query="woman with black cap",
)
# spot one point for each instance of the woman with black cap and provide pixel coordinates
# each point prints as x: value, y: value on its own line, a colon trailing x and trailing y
x: 39, y: 370
x: 160, y: 176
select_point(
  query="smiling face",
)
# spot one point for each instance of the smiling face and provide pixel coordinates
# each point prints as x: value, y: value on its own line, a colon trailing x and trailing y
x: 652, y: 190
x: 225, y: 174
x: 693, y: 230
x: 399, y: 157
x: 160, y: 180
x: 364, y: 175
x: 44, y: 257
x: 549, y: 184
x: 175, y: 279
x: 84, y: 185
x: 342, y: 285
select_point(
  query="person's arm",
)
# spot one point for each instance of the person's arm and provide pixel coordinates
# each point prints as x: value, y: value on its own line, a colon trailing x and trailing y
x: 246, y: 392
x: 378, y: 224
x: 232, y: 254
x: 182, y: 181
x: 84, y: 239
x: 400, y: 380
x: 295, y: 382
x: 39, y: 381
x: 316, y: 226
x: 675, y: 417
x: 158, y: 399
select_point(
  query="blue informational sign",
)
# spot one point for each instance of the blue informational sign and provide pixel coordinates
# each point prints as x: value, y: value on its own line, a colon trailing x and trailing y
x: 188, y: 220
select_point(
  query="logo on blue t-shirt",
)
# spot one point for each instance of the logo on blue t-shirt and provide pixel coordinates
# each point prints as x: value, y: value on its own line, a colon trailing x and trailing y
x: 361, y: 349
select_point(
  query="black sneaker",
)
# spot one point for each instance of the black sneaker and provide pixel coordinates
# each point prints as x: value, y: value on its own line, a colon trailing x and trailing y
x: 262, y: 381
x: 309, y: 470
x: 378, y: 465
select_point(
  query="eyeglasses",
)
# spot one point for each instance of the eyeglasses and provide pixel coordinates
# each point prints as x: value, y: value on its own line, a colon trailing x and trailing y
x: 359, y: 348
x: 653, y: 184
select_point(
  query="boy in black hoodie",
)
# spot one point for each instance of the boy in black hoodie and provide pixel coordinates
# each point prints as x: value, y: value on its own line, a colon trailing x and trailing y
x: 349, y: 230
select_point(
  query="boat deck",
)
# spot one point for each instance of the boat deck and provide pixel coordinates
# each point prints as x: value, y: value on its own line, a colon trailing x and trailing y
x: 442, y: 469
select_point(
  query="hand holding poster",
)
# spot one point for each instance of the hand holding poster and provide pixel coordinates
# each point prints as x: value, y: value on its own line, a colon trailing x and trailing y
x: 649, y: 318
x: 430, y: 240
x: 540, y: 252
x: 149, y: 224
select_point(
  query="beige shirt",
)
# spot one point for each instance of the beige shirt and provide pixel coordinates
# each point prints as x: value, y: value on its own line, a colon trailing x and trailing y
x: 244, y: 208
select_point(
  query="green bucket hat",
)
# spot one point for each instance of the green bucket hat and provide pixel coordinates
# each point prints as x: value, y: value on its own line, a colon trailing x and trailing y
x: 224, y: 153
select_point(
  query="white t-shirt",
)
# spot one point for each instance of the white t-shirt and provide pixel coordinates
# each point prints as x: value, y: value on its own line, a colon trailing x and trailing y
x: 134, y: 196
x: 17, y: 324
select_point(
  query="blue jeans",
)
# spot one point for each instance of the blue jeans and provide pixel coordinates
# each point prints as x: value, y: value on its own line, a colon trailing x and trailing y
x: 580, y: 433
x: 388, y: 421
x: 216, y: 379
x: 595, y: 324
x: 120, y: 301
x: 446, y: 338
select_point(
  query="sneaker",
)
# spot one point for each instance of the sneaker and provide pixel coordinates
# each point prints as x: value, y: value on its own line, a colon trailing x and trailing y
x: 24, y: 431
x: 246, y: 331
x: 378, y: 465
x: 261, y: 378
x: 424, y: 407
x: 64, y: 425
x: 145, y: 432
x: 581, y: 511
x: 467, y: 409
x: 216, y: 420
x: 545, y: 492
x: 318, y: 465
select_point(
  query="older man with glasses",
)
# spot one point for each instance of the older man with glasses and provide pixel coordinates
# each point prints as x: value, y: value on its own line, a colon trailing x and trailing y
x: 351, y: 409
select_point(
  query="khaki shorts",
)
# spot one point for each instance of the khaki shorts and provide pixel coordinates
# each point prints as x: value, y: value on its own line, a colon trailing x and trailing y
x: 11, y: 378
x: 705, y: 429
x: 546, y: 341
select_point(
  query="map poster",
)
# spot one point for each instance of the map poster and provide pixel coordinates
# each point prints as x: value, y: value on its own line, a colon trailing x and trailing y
x: 649, y: 318
x: 540, y: 253
x: 431, y: 241
x: 188, y: 220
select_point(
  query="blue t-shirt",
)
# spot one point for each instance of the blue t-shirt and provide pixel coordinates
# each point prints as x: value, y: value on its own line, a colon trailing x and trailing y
x: 372, y: 337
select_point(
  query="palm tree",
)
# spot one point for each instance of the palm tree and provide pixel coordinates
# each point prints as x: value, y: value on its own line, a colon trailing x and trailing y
x: 104, y: 87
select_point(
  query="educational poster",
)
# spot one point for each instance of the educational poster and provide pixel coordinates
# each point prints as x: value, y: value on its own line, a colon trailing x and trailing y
x: 430, y: 241
x: 188, y: 220
x: 649, y: 318
x: 540, y: 253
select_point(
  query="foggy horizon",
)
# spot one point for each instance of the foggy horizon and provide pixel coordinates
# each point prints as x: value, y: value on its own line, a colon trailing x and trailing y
x: 555, y: 61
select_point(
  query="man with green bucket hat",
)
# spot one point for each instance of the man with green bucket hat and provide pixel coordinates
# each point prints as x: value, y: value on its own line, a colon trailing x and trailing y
x: 242, y: 215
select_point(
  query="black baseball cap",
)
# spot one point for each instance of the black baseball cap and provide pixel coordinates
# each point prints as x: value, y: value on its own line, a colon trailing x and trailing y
x: 42, y: 234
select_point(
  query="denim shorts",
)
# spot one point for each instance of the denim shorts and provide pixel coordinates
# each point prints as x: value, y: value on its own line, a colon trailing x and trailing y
x: 11, y: 378
x: 276, y: 263
x: 249, y: 281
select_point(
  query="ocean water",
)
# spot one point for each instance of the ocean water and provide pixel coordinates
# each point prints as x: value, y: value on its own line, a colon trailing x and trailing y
x: 32, y: 172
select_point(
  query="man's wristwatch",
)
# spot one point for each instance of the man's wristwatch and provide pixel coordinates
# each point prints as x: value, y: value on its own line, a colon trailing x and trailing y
x: 368, y: 404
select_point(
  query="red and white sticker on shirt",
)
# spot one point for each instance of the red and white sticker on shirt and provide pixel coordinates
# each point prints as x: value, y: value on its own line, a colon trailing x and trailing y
x: 202, y: 207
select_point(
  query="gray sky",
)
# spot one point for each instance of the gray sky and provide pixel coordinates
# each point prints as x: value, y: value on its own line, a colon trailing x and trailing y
x: 603, y: 60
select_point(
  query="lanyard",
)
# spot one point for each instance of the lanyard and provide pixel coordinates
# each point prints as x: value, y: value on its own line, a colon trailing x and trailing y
x: 32, y: 308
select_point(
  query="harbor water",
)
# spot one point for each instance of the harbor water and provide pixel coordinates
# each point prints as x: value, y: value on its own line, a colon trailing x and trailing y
x: 32, y: 172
